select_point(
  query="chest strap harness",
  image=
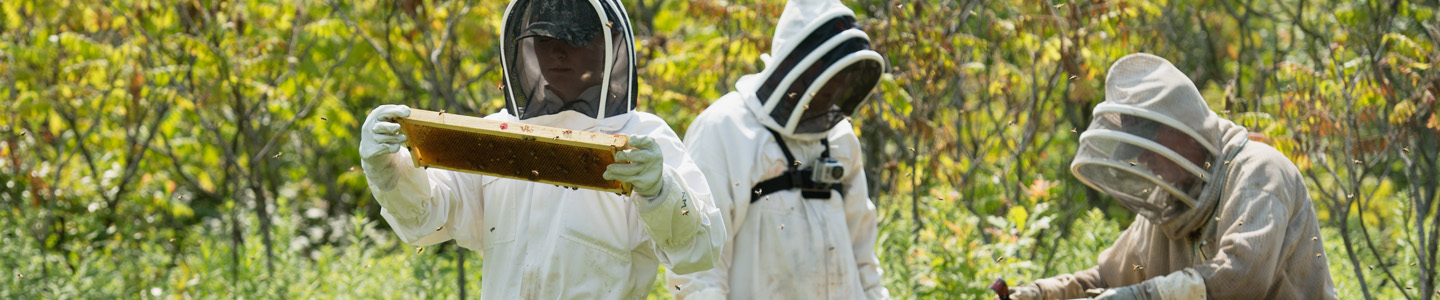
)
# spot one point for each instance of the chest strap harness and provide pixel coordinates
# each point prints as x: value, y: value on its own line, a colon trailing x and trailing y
x: 811, y: 186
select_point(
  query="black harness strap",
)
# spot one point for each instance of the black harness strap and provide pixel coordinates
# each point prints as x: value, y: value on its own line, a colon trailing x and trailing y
x: 794, y: 177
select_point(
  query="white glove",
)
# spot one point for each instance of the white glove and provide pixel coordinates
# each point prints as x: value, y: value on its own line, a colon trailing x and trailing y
x: 641, y: 167
x: 379, y: 137
x: 1181, y: 285
x: 1025, y: 292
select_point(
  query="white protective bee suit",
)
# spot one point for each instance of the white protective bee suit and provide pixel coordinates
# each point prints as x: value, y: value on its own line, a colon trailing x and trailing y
x: 1221, y: 217
x: 541, y: 241
x: 792, y: 243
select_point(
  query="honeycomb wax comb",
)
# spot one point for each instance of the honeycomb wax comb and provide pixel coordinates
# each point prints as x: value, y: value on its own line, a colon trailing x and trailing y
x: 558, y: 156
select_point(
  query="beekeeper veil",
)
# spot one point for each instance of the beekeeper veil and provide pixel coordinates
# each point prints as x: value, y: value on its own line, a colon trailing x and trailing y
x: 1154, y: 144
x: 561, y: 55
x: 820, y: 69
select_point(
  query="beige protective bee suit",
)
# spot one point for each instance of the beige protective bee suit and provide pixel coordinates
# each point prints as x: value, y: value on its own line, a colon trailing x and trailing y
x: 798, y: 237
x: 538, y: 240
x: 1238, y: 224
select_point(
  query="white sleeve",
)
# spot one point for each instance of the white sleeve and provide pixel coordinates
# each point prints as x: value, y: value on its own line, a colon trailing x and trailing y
x: 683, y: 223
x: 423, y: 205
x: 860, y: 216
x: 713, y: 283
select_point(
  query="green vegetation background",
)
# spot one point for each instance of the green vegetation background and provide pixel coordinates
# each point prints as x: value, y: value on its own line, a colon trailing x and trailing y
x: 207, y: 148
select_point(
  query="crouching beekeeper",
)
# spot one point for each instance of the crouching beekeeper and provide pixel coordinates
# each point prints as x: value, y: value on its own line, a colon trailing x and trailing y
x: 1220, y: 216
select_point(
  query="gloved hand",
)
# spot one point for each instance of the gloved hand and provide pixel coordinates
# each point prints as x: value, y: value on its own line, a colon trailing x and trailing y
x: 642, y: 167
x: 379, y: 137
x: 1183, y: 284
x: 1025, y: 292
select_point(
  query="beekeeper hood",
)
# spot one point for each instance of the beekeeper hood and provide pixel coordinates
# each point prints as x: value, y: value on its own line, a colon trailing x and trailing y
x: 568, y: 55
x: 819, y: 70
x: 1155, y: 145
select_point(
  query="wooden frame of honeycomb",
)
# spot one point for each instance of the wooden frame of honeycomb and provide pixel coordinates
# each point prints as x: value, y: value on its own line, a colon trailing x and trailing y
x: 558, y: 156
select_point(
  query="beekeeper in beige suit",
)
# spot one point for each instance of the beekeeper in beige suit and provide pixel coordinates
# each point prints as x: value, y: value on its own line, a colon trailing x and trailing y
x: 1222, y: 217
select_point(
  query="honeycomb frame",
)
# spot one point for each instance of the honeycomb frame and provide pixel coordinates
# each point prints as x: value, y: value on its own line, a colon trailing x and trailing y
x: 563, y: 157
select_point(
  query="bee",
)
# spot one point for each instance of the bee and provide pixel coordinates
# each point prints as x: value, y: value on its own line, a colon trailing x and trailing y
x: 500, y: 87
x: 609, y: 24
x: 1136, y: 268
x: 1058, y: 6
x: 1072, y: 130
x: 441, y: 227
x: 1372, y: 267
x: 1207, y: 164
x: 367, y: 265
x: 757, y: 192
x: 324, y: 119
x: 1242, y: 223
x: 1406, y: 149
x: 418, y: 250
x: 567, y: 132
x: 685, y: 212
x: 1317, y: 254
x: 782, y: 226
x: 791, y: 95
x: 1132, y: 164
x: 1072, y: 77
x: 492, y: 229
x: 912, y: 149
x: 22, y: 276
x: 1314, y: 238
x: 442, y: 112
x: 998, y: 259
x: 797, y: 163
x: 677, y: 287
x: 352, y: 168
x: 737, y: 184
x: 172, y: 240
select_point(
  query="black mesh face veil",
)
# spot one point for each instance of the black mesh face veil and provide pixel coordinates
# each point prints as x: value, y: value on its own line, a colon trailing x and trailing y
x: 841, y: 94
x: 564, y: 55
x: 1144, y: 163
x: 823, y: 80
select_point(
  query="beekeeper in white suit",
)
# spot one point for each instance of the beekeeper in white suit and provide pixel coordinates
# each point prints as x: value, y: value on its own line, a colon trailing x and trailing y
x: 786, y: 167
x: 568, y: 64
x: 1221, y: 217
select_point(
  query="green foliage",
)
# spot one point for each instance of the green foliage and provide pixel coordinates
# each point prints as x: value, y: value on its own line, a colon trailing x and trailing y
x: 207, y: 148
